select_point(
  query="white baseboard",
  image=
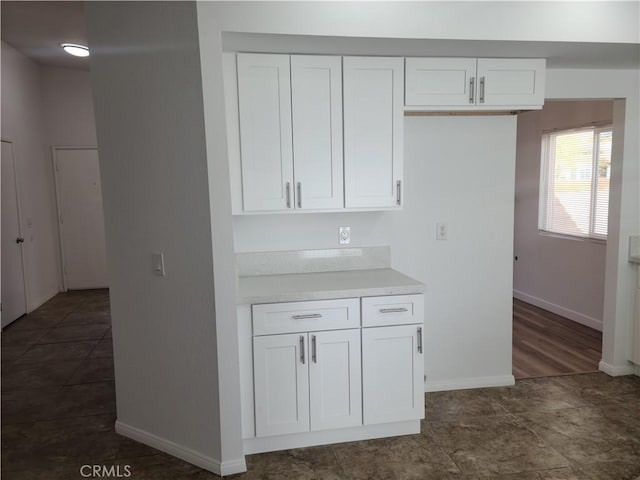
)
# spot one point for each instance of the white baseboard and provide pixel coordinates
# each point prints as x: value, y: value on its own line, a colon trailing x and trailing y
x: 32, y: 305
x: 616, y: 370
x: 211, y: 464
x: 467, y: 383
x: 560, y: 310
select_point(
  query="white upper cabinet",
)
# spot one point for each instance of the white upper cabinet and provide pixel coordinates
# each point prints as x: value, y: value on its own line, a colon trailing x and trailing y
x: 474, y: 84
x: 373, y: 131
x: 316, y: 99
x: 440, y: 81
x: 264, y: 103
x: 508, y: 81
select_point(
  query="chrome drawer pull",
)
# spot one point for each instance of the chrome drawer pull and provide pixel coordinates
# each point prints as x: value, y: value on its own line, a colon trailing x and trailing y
x: 309, y: 315
x: 419, y: 339
x: 302, y: 349
x: 393, y: 310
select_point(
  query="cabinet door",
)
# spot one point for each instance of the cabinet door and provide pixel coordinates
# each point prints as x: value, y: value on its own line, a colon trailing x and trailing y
x: 392, y: 374
x: 440, y: 81
x: 335, y: 379
x: 316, y: 100
x: 281, y: 384
x: 373, y: 130
x: 510, y: 82
x: 264, y: 103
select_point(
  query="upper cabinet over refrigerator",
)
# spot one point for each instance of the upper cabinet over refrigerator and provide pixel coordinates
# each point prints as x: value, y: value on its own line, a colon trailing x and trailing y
x: 474, y: 83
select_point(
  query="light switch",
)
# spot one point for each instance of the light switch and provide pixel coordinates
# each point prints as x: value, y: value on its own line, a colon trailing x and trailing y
x: 158, y: 264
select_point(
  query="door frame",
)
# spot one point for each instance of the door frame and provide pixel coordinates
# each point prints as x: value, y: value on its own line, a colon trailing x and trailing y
x: 20, y: 232
x: 54, y: 160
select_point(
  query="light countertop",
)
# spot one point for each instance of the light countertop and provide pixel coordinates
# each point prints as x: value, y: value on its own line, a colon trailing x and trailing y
x: 293, y: 287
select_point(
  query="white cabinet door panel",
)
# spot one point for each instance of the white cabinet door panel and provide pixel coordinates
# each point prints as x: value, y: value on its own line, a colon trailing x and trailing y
x: 281, y: 377
x: 440, y: 81
x: 264, y: 102
x: 511, y: 82
x: 316, y: 100
x: 373, y: 130
x: 392, y: 375
x: 335, y: 379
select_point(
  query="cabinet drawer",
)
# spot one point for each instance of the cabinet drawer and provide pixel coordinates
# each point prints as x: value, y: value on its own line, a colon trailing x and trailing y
x: 392, y: 310
x: 272, y: 318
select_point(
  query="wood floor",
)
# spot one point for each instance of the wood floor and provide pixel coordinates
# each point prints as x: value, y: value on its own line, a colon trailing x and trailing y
x: 546, y: 344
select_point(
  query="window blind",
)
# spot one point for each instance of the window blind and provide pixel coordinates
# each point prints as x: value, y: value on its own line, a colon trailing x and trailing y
x: 576, y: 168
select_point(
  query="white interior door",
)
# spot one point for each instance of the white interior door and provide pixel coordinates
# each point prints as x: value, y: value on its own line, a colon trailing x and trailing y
x: 81, y: 218
x: 13, y: 292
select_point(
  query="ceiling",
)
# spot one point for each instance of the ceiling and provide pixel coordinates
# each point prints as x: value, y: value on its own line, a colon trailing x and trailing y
x: 38, y: 28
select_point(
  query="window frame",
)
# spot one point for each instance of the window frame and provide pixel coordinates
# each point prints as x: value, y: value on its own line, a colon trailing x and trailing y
x: 547, y: 183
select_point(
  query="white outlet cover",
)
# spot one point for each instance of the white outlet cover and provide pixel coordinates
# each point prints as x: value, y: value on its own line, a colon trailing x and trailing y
x: 344, y: 235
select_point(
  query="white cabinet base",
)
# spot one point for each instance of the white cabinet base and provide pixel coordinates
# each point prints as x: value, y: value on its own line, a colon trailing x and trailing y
x: 326, y: 437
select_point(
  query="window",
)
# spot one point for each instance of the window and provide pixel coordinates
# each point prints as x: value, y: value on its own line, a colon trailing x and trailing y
x: 574, y: 182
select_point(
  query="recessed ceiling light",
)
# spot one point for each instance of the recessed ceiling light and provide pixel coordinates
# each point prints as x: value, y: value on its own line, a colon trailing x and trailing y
x: 75, y: 49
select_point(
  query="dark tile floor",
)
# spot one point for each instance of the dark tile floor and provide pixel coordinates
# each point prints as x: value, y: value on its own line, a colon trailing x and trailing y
x: 58, y: 411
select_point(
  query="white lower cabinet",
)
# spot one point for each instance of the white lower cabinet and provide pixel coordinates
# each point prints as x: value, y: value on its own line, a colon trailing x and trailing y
x: 308, y: 381
x: 392, y: 375
x: 335, y: 384
x: 281, y: 384
x: 326, y: 371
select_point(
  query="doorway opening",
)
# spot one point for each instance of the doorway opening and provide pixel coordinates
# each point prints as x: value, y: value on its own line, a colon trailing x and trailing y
x: 14, y: 293
x: 563, y: 170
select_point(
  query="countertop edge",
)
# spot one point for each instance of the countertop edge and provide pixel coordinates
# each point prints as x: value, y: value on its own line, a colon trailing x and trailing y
x: 333, y: 294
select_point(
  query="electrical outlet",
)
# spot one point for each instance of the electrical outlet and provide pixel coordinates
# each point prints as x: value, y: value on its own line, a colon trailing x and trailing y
x: 344, y: 235
x: 442, y: 231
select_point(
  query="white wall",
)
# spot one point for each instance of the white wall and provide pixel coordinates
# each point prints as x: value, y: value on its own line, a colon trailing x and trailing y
x: 147, y: 90
x: 23, y: 124
x: 68, y: 107
x: 563, y: 275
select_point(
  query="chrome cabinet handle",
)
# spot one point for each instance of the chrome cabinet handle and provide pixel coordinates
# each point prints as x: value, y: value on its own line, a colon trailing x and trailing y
x: 288, y: 187
x: 302, y: 349
x: 481, y: 89
x: 393, y: 310
x: 308, y: 315
x: 472, y: 84
x: 314, y: 352
x: 419, y: 339
x: 398, y: 192
x: 299, y: 194
x: 19, y: 240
